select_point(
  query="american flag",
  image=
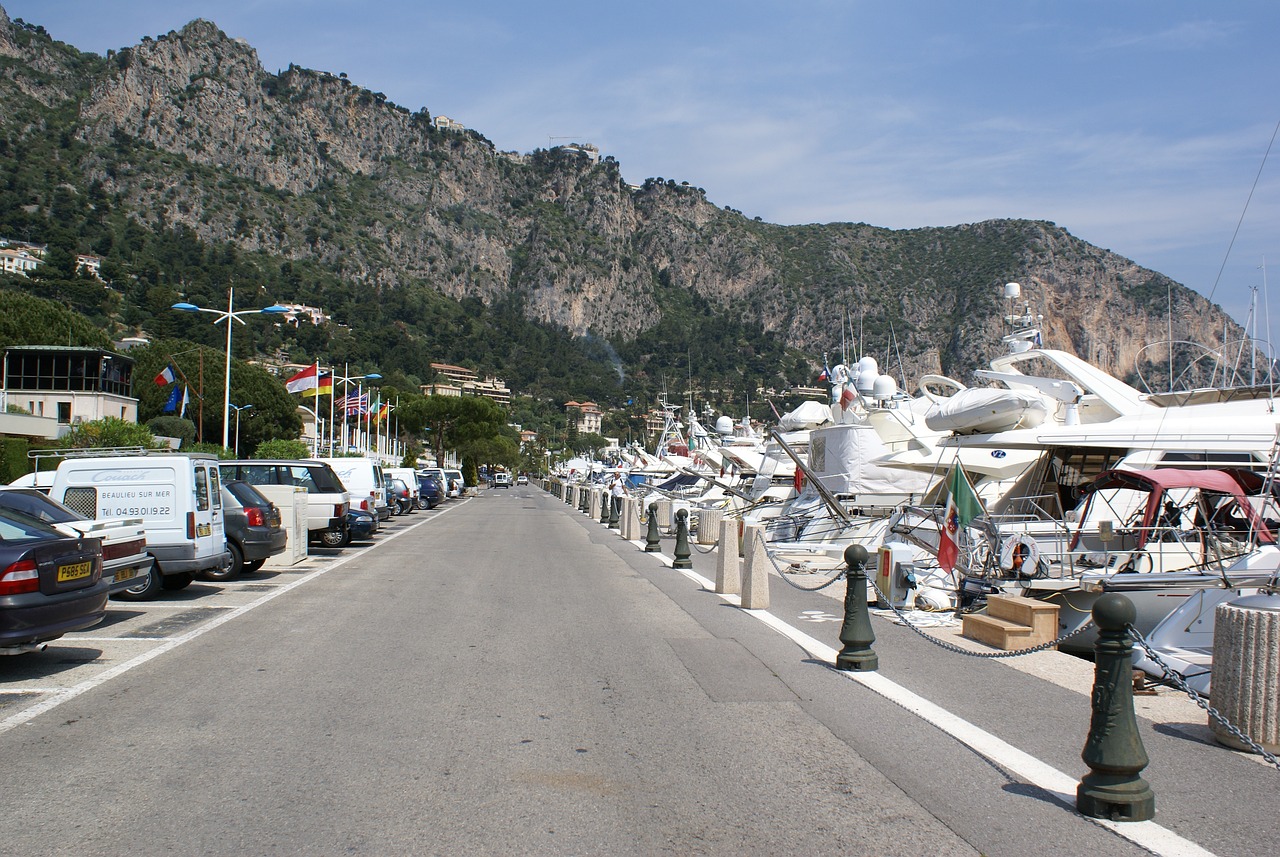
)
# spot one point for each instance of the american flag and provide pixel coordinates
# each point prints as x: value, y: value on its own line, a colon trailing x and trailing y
x: 352, y: 404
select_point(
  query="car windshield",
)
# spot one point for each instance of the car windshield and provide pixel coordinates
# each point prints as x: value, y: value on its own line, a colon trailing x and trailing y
x: 245, y: 494
x: 16, y: 528
x: 37, y: 505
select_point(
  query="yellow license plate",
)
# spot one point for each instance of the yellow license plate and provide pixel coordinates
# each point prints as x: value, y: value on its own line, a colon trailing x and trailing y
x: 75, y: 571
x: 204, y: 530
x: 125, y: 574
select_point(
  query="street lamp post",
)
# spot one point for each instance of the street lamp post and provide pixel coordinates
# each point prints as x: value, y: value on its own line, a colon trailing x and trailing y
x: 228, y: 315
x: 238, y: 409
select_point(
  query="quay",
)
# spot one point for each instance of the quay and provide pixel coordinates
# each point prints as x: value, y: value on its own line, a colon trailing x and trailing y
x: 513, y: 677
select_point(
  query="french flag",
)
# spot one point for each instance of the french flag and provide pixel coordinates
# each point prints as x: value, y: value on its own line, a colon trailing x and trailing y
x: 168, y: 376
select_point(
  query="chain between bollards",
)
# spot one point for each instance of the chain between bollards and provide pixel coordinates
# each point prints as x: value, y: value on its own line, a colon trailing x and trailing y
x: 1114, y: 789
x: 856, y: 633
x: 682, y: 552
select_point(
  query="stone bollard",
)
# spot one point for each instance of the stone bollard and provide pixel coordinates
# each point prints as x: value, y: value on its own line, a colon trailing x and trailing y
x: 708, y: 525
x: 630, y: 523
x: 1246, y: 683
x: 652, y: 539
x: 856, y: 633
x: 1113, y: 751
x: 728, y: 564
x: 596, y: 503
x: 682, y: 540
x: 755, y: 569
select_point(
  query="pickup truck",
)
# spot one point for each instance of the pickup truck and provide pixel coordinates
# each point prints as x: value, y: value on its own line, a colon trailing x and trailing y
x: 125, y: 560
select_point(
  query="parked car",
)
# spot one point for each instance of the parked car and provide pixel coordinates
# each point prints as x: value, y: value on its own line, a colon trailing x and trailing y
x: 502, y: 480
x: 125, y: 560
x: 327, y: 499
x: 176, y: 495
x: 430, y: 494
x: 408, y: 476
x: 437, y: 474
x: 456, y: 484
x: 363, y: 479
x: 253, y: 527
x: 522, y: 479
x: 361, y: 524
x: 399, y: 495
x: 50, y: 584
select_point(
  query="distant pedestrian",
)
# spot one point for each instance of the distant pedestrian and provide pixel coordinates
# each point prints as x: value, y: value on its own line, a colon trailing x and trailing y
x: 616, y: 491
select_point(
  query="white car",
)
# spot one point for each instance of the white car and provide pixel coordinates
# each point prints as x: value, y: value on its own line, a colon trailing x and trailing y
x: 502, y: 480
x: 522, y: 479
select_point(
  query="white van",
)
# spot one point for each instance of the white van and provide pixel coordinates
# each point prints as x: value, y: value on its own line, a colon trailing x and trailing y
x: 178, y: 496
x: 362, y: 477
x: 409, y: 478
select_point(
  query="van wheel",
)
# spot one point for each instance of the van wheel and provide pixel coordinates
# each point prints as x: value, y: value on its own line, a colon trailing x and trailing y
x: 145, y: 589
x: 174, y: 582
x: 231, y: 570
x: 334, y: 539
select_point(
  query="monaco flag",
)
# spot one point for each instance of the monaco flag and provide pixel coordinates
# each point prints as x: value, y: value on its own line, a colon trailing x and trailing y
x: 962, y: 507
x: 307, y: 379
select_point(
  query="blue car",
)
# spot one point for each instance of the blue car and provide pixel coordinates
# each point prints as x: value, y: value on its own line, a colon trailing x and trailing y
x: 430, y: 494
x: 361, y: 524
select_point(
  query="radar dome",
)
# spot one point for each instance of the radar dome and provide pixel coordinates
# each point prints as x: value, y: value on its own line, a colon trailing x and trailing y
x: 724, y: 424
x: 868, y: 371
x: 884, y: 388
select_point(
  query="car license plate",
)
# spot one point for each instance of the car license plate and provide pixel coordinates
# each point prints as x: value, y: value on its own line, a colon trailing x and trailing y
x: 75, y: 571
x: 125, y: 574
x: 204, y: 530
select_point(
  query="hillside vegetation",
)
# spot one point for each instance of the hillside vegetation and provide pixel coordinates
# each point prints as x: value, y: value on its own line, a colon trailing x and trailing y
x: 189, y: 168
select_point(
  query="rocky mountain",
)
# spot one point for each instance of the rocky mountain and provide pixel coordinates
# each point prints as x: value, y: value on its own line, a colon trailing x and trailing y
x: 189, y: 131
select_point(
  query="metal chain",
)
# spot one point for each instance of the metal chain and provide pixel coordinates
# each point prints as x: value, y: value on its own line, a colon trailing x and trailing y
x: 989, y: 655
x: 783, y: 572
x: 709, y: 549
x: 1178, y: 680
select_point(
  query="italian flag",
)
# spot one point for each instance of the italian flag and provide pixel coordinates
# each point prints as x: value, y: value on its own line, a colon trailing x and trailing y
x: 962, y: 507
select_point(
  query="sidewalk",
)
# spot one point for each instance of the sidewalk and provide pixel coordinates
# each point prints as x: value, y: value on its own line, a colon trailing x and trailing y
x: 1039, y: 704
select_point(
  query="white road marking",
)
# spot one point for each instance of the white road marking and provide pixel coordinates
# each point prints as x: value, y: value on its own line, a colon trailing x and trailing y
x: 1061, y: 787
x: 66, y: 695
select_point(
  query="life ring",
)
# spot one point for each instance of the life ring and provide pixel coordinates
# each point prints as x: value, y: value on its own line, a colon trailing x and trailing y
x: 1021, y: 555
x: 942, y: 381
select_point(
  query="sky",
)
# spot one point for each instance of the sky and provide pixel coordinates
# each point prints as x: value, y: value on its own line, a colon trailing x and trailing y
x: 1142, y: 127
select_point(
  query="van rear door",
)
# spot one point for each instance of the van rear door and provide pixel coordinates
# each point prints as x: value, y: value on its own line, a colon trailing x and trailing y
x: 205, y: 519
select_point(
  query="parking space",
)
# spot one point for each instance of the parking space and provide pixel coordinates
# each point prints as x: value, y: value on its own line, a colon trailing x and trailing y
x: 132, y: 629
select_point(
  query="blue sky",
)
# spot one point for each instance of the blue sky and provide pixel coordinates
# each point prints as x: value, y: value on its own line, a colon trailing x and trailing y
x: 1138, y: 126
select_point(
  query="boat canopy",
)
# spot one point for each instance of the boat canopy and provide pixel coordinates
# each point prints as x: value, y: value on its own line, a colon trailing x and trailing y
x: 1210, y: 499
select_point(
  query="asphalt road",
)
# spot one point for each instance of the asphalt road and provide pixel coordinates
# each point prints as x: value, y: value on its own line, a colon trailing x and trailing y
x: 505, y: 676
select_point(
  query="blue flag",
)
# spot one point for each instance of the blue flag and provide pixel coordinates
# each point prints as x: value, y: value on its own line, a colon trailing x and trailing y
x: 174, y: 397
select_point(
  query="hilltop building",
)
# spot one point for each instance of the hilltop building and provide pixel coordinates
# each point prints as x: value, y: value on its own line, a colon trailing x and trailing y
x: 461, y: 381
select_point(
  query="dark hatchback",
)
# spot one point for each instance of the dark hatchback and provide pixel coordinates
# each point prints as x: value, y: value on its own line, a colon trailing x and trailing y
x: 50, y: 584
x: 362, y: 524
x: 252, y: 524
x: 430, y: 494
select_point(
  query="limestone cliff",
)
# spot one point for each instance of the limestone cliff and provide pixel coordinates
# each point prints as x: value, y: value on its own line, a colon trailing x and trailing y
x: 189, y: 129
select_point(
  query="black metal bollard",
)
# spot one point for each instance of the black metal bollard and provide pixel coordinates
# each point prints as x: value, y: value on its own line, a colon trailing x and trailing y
x: 856, y: 633
x: 682, y: 540
x: 585, y: 506
x: 605, y: 502
x: 652, y: 540
x: 1113, y: 788
x: 614, y: 509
